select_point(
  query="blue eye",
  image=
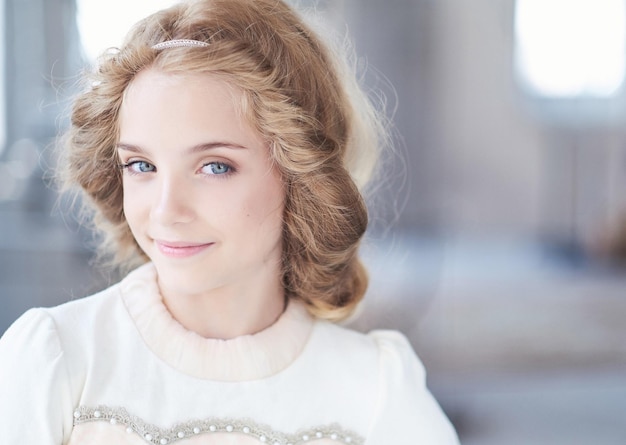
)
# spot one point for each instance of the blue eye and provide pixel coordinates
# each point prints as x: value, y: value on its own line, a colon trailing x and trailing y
x: 139, y: 167
x: 216, y: 168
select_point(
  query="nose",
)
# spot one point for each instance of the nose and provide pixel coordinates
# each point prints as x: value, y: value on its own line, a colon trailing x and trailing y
x: 172, y: 202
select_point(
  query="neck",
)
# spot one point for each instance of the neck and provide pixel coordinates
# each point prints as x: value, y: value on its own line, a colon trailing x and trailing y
x: 228, y: 311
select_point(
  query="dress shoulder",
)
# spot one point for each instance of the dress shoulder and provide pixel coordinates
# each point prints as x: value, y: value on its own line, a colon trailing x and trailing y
x: 42, y: 366
x: 396, y: 353
x: 381, y: 371
x: 407, y: 413
x: 35, y: 394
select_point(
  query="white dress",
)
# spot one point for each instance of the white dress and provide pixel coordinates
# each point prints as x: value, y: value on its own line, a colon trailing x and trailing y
x: 116, y: 368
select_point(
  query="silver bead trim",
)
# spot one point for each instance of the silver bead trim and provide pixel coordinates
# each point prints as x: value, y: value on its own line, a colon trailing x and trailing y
x: 159, y: 436
x: 179, y: 43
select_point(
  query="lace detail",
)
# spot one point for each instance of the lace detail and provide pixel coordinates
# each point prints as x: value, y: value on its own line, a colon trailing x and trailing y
x: 158, y: 436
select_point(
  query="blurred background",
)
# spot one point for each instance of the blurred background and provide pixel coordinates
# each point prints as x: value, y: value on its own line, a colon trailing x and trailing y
x: 499, y: 232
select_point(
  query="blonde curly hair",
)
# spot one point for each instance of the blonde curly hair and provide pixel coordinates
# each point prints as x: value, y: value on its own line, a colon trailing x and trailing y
x: 323, y: 133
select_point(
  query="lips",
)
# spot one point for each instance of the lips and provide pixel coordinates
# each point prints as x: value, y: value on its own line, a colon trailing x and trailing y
x: 180, y: 249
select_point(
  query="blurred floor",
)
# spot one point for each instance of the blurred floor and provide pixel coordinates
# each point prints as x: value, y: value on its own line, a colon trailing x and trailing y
x: 522, y: 344
x: 560, y: 408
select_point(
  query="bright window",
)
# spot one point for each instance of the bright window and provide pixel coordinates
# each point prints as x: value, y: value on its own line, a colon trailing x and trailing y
x: 103, y: 24
x: 571, y: 48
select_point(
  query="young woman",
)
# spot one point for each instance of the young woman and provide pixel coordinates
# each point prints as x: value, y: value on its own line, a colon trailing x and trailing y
x: 221, y: 150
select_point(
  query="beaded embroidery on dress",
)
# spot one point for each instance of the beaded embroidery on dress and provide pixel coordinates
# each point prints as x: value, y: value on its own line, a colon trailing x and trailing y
x: 160, y: 436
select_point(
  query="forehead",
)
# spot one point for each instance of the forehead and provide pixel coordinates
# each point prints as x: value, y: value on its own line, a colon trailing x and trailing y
x: 184, y: 106
x: 201, y: 86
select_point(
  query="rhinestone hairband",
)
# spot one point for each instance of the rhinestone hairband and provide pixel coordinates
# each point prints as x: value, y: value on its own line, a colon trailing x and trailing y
x: 179, y: 43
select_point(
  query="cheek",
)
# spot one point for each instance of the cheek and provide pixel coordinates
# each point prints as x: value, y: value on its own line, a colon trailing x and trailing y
x: 263, y: 210
x: 269, y: 203
x: 131, y: 205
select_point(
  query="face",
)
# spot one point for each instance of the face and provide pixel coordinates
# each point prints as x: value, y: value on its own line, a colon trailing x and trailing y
x: 201, y: 196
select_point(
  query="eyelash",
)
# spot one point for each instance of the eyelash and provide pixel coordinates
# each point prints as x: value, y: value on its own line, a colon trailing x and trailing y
x: 128, y: 166
x: 229, y: 168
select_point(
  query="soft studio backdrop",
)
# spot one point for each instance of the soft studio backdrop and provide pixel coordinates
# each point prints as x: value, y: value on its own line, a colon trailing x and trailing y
x: 497, y: 237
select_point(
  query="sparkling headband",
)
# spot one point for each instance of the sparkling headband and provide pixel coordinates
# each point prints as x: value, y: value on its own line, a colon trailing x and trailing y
x: 179, y: 43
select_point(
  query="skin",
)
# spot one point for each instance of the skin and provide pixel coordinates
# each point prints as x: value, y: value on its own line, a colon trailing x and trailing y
x: 203, y: 201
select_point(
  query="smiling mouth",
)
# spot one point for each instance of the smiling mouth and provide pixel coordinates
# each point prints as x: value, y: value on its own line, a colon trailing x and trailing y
x: 181, y: 249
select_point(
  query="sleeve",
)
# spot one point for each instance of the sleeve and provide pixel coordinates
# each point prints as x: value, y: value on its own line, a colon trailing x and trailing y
x: 407, y: 413
x: 34, y: 389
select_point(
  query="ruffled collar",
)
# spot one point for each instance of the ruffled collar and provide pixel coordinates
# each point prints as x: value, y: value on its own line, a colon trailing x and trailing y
x: 248, y: 357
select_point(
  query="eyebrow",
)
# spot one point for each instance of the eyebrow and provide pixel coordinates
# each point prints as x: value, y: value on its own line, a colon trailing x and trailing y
x: 194, y: 149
